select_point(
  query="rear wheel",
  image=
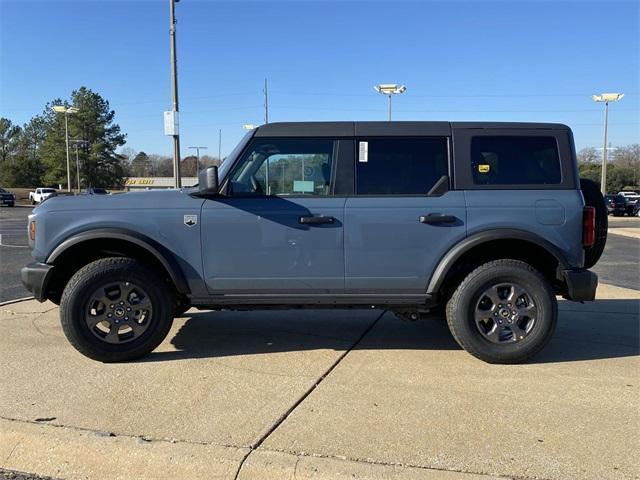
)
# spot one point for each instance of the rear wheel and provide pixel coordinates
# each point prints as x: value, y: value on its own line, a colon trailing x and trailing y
x: 503, y: 312
x: 112, y: 310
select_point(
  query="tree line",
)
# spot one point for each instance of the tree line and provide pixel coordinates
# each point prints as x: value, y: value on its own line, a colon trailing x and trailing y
x: 623, y: 167
x: 141, y: 164
x: 34, y: 154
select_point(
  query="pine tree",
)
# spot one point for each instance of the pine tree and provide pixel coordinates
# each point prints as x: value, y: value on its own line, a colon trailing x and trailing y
x: 93, y: 123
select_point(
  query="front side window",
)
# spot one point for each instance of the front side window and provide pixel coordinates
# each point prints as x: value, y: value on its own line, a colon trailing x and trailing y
x: 400, y: 166
x: 515, y: 160
x: 284, y: 167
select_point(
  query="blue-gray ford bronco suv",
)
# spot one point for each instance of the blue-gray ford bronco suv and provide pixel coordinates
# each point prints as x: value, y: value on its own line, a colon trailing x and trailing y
x: 487, y: 221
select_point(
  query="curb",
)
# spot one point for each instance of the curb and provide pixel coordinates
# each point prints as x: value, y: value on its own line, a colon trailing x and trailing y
x: 17, y: 300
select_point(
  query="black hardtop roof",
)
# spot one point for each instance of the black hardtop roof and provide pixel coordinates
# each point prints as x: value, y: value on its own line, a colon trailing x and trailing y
x: 400, y: 128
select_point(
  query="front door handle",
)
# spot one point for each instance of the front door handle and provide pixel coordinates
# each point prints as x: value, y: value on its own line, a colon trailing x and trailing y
x: 316, y: 220
x: 437, y: 218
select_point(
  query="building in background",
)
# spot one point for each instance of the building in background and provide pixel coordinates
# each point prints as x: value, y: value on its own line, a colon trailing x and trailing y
x: 155, y: 183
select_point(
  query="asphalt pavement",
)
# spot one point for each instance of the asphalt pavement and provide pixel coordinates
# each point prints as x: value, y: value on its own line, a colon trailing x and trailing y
x: 14, y: 251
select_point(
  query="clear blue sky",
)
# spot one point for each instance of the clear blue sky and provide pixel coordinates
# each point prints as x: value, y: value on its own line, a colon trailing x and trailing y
x: 512, y: 61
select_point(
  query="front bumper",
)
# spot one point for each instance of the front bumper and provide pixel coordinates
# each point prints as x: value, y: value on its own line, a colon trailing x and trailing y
x: 581, y: 284
x: 35, y: 277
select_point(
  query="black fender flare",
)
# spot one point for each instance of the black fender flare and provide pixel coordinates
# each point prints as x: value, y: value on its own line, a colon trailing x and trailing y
x: 452, y: 256
x: 159, y: 252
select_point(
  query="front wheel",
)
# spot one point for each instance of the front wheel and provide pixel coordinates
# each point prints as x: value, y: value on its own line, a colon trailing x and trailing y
x: 112, y: 310
x: 504, y: 311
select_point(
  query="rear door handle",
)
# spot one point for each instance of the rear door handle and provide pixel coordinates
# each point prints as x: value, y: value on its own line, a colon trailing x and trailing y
x: 316, y: 220
x: 437, y: 218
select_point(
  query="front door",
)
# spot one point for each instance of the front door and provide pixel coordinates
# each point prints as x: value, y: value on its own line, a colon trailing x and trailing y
x: 402, y: 219
x: 279, y: 230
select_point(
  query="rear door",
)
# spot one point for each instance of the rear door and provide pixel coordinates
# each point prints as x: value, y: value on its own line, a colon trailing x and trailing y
x: 403, y: 217
x: 279, y: 230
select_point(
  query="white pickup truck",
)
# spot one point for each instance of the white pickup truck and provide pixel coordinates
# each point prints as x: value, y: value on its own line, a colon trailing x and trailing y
x: 41, y: 194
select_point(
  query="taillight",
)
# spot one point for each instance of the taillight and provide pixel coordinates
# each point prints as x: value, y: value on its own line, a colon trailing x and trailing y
x: 32, y: 230
x: 588, y: 227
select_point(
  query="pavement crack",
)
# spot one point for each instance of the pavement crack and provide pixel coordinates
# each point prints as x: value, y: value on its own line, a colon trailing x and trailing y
x: 295, y: 467
x: 369, y: 461
x: 102, y: 433
x: 11, y: 452
x: 308, y: 392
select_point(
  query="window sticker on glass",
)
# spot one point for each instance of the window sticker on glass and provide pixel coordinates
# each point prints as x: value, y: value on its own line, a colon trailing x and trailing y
x: 484, y: 168
x: 363, y: 152
x: 303, y: 186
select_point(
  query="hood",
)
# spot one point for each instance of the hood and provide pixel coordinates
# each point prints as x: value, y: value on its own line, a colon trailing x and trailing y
x: 148, y: 199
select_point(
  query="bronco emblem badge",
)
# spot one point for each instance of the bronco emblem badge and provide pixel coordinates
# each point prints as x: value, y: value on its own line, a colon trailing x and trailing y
x: 190, y: 220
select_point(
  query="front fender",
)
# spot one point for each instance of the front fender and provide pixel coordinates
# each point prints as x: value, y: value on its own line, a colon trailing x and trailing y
x: 161, y: 253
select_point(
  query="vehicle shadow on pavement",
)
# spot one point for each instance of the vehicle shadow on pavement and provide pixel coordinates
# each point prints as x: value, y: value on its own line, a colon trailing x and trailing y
x: 595, y: 330
x: 221, y: 334
x: 599, y: 330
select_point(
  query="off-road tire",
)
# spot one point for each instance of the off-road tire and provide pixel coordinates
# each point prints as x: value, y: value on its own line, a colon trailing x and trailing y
x: 78, y: 290
x: 462, y: 304
x: 593, y: 198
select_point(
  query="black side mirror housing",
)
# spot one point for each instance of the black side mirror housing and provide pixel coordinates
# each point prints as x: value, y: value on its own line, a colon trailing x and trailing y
x: 208, y: 181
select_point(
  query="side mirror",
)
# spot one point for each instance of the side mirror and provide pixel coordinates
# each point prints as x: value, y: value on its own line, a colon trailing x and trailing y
x: 208, y: 181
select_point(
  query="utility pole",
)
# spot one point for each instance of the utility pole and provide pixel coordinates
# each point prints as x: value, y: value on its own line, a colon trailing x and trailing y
x: 77, y: 167
x: 174, y: 92
x: 266, y: 102
x: 76, y: 143
x: 220, y: 145
x: 197, y: 149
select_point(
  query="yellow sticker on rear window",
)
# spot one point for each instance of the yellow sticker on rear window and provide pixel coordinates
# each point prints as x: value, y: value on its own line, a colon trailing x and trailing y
x: 484, y: 168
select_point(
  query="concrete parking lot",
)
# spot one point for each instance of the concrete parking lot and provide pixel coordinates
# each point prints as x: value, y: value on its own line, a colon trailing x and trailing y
x: 342, y: 394
x: 334, y: 394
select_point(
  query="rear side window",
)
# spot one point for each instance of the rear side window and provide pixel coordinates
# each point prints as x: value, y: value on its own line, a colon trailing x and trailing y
x: 515, y: 160
x: 399, y: 166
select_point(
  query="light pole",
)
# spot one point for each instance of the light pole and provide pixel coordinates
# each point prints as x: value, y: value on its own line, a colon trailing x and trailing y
x: 67, y: 111
x: 197, y: 149
x: 390, y: 89
x: 606, y: 98
x: 266, y: 102
x: 174, y: 91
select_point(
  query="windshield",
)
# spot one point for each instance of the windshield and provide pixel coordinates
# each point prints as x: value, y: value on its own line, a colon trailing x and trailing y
x: 48, y: 190
x: 223, y: 169
x: 2, y: 190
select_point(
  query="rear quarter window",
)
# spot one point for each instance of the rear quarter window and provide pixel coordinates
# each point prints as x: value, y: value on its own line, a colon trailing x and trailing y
x: 515, y: 160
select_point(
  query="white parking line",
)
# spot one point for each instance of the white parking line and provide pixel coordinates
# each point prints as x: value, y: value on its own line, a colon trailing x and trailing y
x: 11, y: 246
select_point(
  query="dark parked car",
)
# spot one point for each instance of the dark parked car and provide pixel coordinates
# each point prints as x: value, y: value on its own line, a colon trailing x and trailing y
x: 94, y: 191
x: 616, y: 205
x: 7, y: 198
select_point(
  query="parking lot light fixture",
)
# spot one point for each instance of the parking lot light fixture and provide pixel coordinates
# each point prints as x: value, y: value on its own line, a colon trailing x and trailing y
x: 605, y: 98
x: 249, y: 126
x: 390, y: 89
x: 67, y: 111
